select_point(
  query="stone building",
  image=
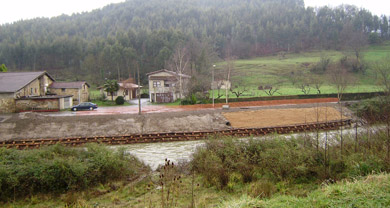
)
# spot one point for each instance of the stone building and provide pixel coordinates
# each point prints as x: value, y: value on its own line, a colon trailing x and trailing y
x: 164, y: 85
x: 79, y: 90
x: 23, y: 91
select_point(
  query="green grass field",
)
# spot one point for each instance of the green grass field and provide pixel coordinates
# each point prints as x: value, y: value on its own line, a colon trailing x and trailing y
x: 372, y: 191
x: 270, y: 70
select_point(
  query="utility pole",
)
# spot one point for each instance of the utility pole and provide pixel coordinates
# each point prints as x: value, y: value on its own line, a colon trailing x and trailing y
x: 212, y: 84
x: 139, y: 91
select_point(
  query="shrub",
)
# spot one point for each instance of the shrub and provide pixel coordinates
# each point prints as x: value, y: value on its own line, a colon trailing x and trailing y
x: 353, y: 65
x: 57, y: 169
x: 373, y: 110
x: 119, y: 100
x: 189, y: 101
x: 226, y: 163
x: 322, y: 65
x: 262, y: 189
x: 145, y: 95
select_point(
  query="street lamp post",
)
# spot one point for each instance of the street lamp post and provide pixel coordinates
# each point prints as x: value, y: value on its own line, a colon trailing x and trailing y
x: 212, y: 84
x: 139, y: 93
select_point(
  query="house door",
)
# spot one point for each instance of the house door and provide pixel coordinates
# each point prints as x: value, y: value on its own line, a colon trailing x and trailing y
x: 67, y: 103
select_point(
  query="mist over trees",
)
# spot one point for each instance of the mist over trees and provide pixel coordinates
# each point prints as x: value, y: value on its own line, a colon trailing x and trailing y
x: 108, y: 43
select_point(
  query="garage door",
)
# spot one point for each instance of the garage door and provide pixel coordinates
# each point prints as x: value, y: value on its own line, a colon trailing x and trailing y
x: 164, y: 97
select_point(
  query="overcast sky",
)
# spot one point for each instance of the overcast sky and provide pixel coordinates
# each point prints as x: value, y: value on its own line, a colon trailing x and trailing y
x: 14, y: 10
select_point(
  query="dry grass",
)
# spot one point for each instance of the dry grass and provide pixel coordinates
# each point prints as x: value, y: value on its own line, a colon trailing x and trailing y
x: 282, y: 117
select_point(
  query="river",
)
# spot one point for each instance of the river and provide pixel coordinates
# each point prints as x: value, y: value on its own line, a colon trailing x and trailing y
x: 154, y: 154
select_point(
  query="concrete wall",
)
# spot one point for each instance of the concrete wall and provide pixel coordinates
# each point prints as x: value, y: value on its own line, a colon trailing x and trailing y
x: 7, y: 103
x: 39, y: 104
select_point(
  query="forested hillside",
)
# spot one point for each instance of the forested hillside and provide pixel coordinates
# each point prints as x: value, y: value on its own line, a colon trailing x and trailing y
x: 111, y: 42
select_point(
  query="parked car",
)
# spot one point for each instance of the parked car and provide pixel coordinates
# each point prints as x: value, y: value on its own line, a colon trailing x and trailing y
x: 84, y: 106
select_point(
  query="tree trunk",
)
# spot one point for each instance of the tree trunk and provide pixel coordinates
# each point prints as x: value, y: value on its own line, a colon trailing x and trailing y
x: 181, y: 87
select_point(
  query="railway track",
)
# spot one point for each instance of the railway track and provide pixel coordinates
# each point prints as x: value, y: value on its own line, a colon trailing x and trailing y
x: 174, y: 136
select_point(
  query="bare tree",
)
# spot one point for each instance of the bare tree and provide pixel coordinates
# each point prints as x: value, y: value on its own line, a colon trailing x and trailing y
x: 317, y: 82
x: 382, y: 69
x: 341, y: 79
x: 294, y: 76
x: 239, y: 88
x: 304, y: 85
x: 229, y: 68
x: 354, y: 40
x: 179, y: 63
x: 271, y: 90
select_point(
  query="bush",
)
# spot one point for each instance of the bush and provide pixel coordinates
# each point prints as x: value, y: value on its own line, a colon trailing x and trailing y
x: 353, y: 65
x: 373, y: 110
x: 189, y: 101
x: 322, y: 65
x: 57, y: 169
x: 226, y: 163
x: 145, y: 95
x: 119, y: 100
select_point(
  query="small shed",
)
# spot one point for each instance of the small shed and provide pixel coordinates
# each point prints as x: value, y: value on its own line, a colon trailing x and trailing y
x: 79, y: 90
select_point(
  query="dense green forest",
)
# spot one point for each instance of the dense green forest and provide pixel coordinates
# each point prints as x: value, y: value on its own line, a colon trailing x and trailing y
x: 111, y: 42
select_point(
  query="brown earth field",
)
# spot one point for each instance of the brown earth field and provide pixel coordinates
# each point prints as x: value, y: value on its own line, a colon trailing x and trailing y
x: 282, y: 117
x: 46, y: 125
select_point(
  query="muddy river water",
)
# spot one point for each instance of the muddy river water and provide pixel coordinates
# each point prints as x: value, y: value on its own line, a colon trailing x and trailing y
x: 154, y: 154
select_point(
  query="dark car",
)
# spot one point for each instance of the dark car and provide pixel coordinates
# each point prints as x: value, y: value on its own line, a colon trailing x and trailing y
x: 84, y: 106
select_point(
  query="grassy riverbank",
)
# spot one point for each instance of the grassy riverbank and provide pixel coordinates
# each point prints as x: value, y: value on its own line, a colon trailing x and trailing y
x: 226, y: 172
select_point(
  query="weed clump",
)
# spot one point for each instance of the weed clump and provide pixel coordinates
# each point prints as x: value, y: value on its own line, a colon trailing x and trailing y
x: 265, y: 165
x: 57, y: 169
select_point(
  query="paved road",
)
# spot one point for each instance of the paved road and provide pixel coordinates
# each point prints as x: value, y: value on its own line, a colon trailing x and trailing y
x: 146, y: 107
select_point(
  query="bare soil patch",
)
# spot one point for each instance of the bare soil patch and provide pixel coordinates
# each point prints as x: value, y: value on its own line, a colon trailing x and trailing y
x: 282, y: 117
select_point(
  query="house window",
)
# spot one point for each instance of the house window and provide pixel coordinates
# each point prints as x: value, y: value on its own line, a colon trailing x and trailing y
x: 35, y: 90
x: 31, y: 91
x: 63, y: 89
x: 156, y: 84
x: 166, y: 85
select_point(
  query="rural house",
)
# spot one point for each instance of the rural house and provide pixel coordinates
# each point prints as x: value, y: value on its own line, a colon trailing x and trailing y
x: 24, y: 91
x: 164, y: 86
x: 79, y: 90
x: 127, y: 89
